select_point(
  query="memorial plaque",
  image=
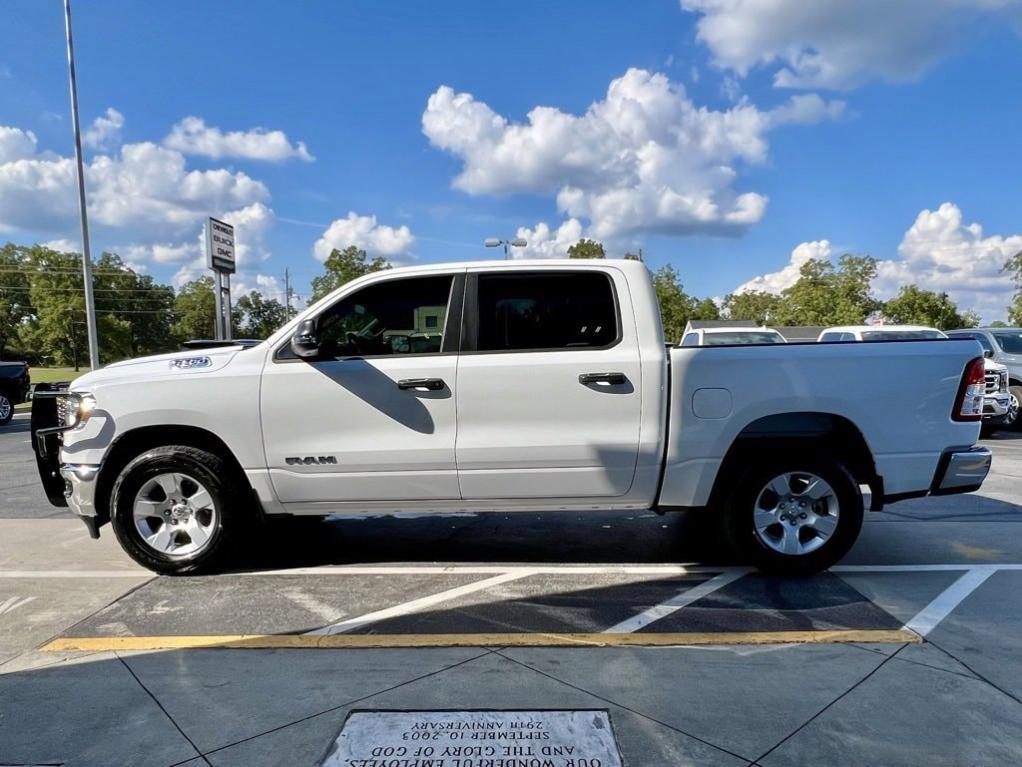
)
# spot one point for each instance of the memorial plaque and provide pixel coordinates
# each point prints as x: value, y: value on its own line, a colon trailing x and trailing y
x: 475, y: 739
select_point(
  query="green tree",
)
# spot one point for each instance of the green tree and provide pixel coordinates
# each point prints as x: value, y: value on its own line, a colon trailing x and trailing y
x: 999, y: 324
x: 342, y: 266
x: 258, y: 316
x: 706, y: 309
x: 826, y: 294
x: 915, y: 306
x: 137, y: 300
x: 755, y: 306
x: 1014, y: 266
x: 195, y: 310
x: 587, y: 249
x: 14, y: 294
x: 676, y: 306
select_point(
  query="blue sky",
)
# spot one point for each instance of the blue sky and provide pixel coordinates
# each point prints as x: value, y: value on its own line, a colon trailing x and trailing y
x: 902, y: 141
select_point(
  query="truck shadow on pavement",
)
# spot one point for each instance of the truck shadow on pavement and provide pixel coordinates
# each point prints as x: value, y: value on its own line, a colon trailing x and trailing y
x: 492, y: 537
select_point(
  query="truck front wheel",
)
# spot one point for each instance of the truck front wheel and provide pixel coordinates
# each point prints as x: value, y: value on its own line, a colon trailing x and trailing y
x: 794, y: 516
x: 171, y: 509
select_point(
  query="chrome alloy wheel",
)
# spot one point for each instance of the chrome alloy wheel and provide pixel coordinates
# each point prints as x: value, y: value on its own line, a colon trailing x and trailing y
x: 174, y: 514
x: 1009, y: 419
x: 5, y: 408
x: 796, y: 513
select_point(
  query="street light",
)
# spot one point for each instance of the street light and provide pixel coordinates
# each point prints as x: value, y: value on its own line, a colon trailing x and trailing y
x: 517, y: 242
x: 90, y: 305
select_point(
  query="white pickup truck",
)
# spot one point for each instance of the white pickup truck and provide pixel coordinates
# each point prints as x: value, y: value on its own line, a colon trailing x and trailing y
x: 510, y: 386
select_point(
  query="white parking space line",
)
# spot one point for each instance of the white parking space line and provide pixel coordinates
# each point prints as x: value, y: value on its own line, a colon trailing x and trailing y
x: 418, y: 604
x: 675, y: 603
x: 930, y: 616
x: 12, y: 604
x: 76, y: 574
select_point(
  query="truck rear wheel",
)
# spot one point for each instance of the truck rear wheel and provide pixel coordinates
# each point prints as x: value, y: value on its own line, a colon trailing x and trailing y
x: 172, y: 509
x: 794, y: 516
x: 6, y: 409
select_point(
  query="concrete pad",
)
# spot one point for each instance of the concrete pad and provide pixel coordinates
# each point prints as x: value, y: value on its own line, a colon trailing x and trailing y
x: 59, y: 544
x: 222, y: 696
x: 39, y: 608
x: 908, y: 715
x: 759, y: 603
x: 489, y: 682
x: 543, y: 603
x: 902, y: 595
x: 256, y: 604
x: 83, y: 714
x: 985, y: 631
x: 931, y: 657
x: 908, y: 541
x: 736, y: 697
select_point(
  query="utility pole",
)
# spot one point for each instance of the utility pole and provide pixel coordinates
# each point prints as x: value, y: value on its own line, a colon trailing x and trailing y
x: 90, y: 304
x: 287, y: 293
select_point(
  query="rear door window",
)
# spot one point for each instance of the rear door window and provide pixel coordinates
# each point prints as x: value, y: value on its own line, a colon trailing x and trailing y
x: 540, y: 311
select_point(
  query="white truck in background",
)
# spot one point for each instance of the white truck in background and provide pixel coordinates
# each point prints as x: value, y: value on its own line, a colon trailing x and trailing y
x: 529, y: 386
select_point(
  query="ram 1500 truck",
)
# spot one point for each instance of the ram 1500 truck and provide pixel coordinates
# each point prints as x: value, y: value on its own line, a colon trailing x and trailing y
x: 509, y: 386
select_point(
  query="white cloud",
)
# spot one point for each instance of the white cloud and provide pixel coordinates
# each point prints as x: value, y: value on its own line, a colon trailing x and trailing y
x: 646, y: 158
x: 775, y: 282
x: 938, y: 252
x: 836, y: 43
x: 365, y: 233
x: 105, y: 131
x: 193, y: 136
x: 144, y: 190
x: 16, y: 144
x: 64, y: 245
x: 546, y: 243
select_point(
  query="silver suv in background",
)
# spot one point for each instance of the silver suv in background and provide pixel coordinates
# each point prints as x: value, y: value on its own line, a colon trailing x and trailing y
x: 1003, y: 345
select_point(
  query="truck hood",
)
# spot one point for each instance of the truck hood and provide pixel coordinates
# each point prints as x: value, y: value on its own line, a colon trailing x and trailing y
x: 186, y: 363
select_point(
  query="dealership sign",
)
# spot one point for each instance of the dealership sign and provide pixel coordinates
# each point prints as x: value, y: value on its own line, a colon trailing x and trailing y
x: 220, y: 246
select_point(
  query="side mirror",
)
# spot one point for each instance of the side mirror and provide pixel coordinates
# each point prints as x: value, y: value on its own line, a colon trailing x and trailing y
x: 988, y: 353
x: 305, y: 341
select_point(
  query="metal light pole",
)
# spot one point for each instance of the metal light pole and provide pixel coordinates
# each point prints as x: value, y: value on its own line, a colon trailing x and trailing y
x: 517, y: 242
x: 90, y: 305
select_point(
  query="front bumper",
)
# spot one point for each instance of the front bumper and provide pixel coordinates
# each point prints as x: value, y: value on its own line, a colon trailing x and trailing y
x: 961, y: 471
x: 996, y: 405
x: 80, y: 492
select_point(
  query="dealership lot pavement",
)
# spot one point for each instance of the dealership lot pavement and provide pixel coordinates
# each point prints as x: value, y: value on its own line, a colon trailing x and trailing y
x: 908, y: 653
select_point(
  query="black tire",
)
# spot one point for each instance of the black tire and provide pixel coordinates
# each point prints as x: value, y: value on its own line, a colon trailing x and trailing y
x: 740, y: 529
x: 6, y: 409
x: 214, y: 474
x: 1014, y: 418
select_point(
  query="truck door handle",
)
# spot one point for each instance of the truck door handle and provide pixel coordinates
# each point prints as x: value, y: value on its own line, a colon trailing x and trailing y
x: 430, y: 384
x: 614, y: 379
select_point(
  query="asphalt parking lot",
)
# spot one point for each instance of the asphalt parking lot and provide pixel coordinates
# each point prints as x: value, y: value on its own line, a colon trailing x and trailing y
x: 908, y: 653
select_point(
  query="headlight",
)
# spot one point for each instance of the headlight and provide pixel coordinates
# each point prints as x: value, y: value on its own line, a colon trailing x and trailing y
x: 75, y: 409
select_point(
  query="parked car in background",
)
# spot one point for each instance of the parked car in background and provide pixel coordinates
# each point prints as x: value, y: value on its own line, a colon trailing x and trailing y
x: 731, y: 336
x: 1005, y: 344
x: 14, y: 383
x: 997, y: 401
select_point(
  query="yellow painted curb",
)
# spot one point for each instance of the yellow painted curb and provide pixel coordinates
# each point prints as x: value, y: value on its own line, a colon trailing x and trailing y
x: 364, y: 641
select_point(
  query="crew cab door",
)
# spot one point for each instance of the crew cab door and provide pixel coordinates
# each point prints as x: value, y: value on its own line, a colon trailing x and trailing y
x: 371, y: 418
x: 549, y: 390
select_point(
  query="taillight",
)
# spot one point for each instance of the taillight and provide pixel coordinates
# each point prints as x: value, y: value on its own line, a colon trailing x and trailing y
x: 969, y: 404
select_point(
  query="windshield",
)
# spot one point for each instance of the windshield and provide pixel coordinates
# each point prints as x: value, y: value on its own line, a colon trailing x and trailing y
x: 744, y: 337
x: 1010, y: 341
x: 900, y: 335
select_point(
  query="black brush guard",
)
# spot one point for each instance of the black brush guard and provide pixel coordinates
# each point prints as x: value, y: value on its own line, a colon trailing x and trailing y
x: 46, y: 431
